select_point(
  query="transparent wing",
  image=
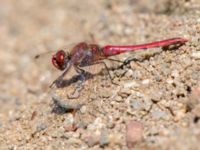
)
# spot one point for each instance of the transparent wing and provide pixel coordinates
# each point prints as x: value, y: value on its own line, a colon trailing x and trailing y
x: 43, y: 62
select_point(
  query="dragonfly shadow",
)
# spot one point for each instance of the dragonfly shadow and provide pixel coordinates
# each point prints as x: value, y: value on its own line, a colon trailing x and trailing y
x: 172, y: 47
x: 75, y: 78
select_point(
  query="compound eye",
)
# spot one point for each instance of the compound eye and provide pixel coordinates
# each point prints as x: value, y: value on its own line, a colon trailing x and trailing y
x: 60, y: 56
x: 54, y: 62
x: 59, y: 60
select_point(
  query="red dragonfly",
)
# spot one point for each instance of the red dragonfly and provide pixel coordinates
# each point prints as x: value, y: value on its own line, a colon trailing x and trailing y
x: 84, y: 54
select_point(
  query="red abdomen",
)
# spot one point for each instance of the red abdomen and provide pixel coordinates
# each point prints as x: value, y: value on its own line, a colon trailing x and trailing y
x: 110, y: 50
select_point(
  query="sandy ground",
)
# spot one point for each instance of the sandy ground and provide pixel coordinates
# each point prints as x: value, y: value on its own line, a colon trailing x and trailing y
x: 156, y: 104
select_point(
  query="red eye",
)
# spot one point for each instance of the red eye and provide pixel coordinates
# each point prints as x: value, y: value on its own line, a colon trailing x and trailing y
x: 58, y: 60
x: 54, y: 62
x: 60, y: 56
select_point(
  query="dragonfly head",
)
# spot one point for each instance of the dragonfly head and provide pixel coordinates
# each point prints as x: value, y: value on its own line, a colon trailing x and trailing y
x: 60, y: 59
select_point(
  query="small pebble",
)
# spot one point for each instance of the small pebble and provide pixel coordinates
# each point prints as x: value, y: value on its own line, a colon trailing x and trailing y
x: 129, y: 73
x: 159, y: 114
x: 106, y: 94
x: 196, y: 55
x: 196, y: 110
x: 170, y: 81
x: 130, y: 84
x: 69, y: 124
x: 146, y: 82
x: 69, y: 119
x: 180, y: 113
x: 134, y: 132
x: 57, y: 133
x: 194, y: 97
x: 83, y: 109
x: 115, y: 139
x: 124, y: 93
x: 103, y: 138
x: 41, y: 127
x: 184, y: 124
x: 118, y: 99
x: 156, y: 96
x: 91, y: 139
x: 136, y: 104
x: 175, y: 73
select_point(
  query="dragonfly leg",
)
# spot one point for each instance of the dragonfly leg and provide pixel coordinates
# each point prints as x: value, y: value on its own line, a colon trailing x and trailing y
x: 119, y: 61
x: 57, y: 82
x: 101, y: 62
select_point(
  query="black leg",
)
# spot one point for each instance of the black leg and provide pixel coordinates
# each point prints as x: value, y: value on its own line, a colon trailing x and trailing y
x: 101, y: 62
x: 119, y: 61
x: 58, y: 81
x: 125, y: 62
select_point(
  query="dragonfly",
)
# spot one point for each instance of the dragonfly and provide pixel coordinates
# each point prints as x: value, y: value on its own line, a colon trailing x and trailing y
x: 85, y: 54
